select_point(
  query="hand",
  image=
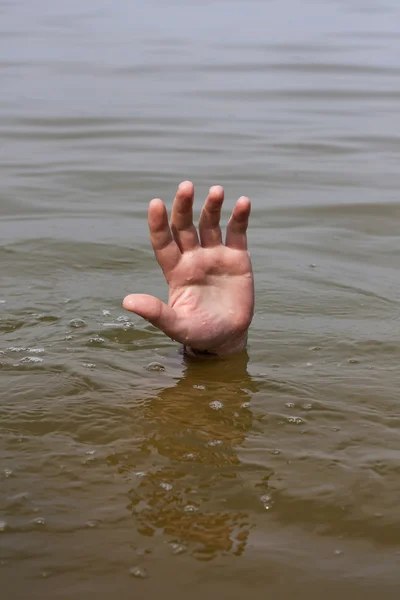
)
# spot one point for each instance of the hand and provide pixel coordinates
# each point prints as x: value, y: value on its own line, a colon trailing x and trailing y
x: 211, y: 287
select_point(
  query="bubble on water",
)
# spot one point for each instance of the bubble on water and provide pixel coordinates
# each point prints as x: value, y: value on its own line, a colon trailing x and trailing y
x: 36, y: 350
x: 312, y: 265
x: 190, y: 508
x: 39, y: 521
x: 335, y: 429
x: 3, y: 301
x: 338, y: 552
x: 178, y: 549
x: 353, y: 361
x: 141, y: 474
x: 92, y: 523
x: 315, y: 348
x: 199, y: 387
x: 88, y: 365
x: 245, y: 405
x: 275, y: 451
x: 77, y: 323
x: 90, y: 452
x: 190, y: 456
x: 3, y: 525
x: 155, y: 366
x: 123, y: 319
x: 213, y: 443
x: 265, y: 498
x: 307, y: 406
x: 138, y: 572
x: 166, y: 486
x: 7, y: 472
x: 16, y: 349
x: 68, y: 337
x: 295, y: 420
x: 30, y: 359
x: 106, y: 313
x: 309, y: 364
x: 275, y: 366
x: 216, y: 405
x: 266, y: 501
x: 96, y: 339
x: 290, y: 404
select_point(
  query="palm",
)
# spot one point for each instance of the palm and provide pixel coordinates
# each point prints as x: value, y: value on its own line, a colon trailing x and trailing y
x: 211, y: 292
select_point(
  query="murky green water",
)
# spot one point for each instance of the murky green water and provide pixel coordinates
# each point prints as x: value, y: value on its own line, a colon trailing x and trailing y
x: 123, y: 478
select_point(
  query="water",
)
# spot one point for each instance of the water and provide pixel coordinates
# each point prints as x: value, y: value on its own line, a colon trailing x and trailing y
x: 124, y: 468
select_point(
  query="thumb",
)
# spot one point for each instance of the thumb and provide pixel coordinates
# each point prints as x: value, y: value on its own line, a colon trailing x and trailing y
x: 153, y: 310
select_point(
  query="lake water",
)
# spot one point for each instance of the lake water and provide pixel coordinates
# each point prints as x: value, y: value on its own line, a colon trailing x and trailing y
x: 125, y: 470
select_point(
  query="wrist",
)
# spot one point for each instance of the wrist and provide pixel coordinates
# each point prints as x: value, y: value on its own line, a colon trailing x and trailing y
x: 232, y: 346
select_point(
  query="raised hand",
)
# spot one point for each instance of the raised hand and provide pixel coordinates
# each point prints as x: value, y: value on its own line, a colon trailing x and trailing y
x: 211, y: 287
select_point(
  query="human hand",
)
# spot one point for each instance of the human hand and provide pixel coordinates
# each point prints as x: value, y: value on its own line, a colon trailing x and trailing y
x: 211, y: 286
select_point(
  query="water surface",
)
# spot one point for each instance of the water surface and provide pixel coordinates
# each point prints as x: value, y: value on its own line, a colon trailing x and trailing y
x: 126, y: 469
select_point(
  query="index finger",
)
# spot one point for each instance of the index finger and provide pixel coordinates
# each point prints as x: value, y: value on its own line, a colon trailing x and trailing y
x: 165, y: 248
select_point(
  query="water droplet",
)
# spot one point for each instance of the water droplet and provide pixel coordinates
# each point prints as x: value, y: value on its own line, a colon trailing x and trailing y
x: 290, y: 404
x: 353, y: 361
x: 155, y: 366
x: 140, y: 474
x: 88, y: 365
x: 39, y: 521
x: 7, y: 472
x: 3, y: 525
x: 106, y: 313
x: 216, y: 405
x: 178, y: 549
x: 199, y: 387
x: 315, y: 348
x: 307, y: 406
x: 190, y: 508
x: 312, y: 265
x: 166, y: 486
x: 338, y: 552
x: 139, y: 572
x: 275, y: 451
x: 246, y: 405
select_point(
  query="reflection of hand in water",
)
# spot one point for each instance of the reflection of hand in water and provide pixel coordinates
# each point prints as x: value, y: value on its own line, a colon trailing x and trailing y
x: 196, y: 499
